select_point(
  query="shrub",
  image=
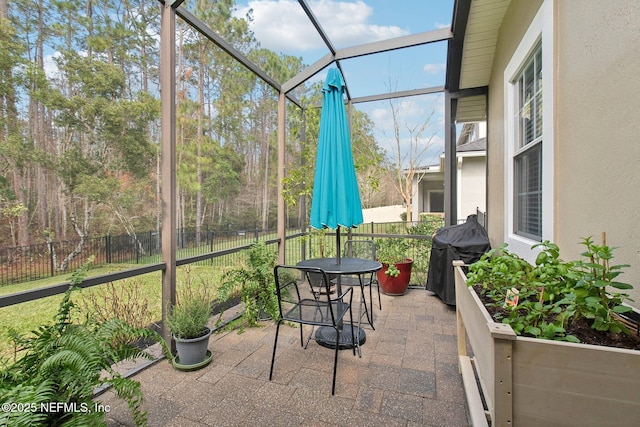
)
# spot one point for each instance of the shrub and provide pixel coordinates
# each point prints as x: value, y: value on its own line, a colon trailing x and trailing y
x: 254, y: 283
x: 121, y: 300
x: 64, y: 362
x: 427, y: 226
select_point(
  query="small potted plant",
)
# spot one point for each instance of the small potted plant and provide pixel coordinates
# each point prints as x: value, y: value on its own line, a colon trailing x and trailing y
x: 395, y: 274
x: 187, y: 322
x: 253, y: 281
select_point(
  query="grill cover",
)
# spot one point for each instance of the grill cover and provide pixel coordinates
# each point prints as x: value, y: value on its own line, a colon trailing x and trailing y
x: 466, y: 242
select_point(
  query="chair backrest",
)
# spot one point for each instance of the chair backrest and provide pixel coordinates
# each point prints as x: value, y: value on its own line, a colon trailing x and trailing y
x: 365, y: 249
x: 304, y: 296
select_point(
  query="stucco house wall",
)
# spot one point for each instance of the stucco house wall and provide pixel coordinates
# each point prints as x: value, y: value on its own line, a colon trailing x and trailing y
x: 430, y: 182
x: 596, y: 123
x: 511, y: 32
x: 472, y: 192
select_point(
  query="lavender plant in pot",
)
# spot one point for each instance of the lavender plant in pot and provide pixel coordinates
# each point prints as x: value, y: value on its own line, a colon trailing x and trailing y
x: 188, y: 321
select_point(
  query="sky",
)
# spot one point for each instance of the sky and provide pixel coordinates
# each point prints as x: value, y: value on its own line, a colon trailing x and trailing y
x: 283, y: 27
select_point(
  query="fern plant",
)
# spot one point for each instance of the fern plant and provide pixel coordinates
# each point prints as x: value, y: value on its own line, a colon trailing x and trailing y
x: 64, y: 362
x: 254, y: 283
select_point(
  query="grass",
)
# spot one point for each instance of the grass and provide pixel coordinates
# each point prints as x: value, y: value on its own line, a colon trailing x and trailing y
x: 139, y: 300
x: 139, y: 297
x: 27, y: 316
x: 143, y: 293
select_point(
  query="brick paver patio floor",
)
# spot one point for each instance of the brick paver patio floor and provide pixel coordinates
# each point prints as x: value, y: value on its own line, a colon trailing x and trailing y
x: 407, y: 376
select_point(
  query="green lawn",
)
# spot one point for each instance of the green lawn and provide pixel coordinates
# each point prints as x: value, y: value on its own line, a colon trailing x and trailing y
x: 138, y: 300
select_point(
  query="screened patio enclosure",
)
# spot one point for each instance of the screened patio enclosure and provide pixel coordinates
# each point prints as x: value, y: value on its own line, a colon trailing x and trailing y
x: 334, y: 52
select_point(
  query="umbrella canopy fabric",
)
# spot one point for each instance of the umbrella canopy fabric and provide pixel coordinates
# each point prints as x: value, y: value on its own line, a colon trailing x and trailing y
x: 336, y: 198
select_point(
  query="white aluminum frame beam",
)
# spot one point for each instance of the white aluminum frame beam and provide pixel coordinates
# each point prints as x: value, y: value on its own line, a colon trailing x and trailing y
x: 399, y: 94
x: 204, y: 29
x: 367, y: 49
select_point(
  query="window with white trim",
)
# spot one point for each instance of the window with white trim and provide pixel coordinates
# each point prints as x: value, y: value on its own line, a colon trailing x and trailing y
x: 529, y: 137
x: 527, y: 159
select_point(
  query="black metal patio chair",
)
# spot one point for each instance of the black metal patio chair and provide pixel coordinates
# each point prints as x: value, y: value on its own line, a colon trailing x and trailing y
x: 365, y: 249
x: 300, y: 301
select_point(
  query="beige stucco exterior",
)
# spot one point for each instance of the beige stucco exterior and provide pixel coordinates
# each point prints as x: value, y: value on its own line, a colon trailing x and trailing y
x: 471, y: 193
x: 596, y: 125
x: 473, y: 184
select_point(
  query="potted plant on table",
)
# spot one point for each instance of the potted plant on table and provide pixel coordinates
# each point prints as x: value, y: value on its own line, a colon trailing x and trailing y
x: 545, y: 333
x: 254, y: 282
x: 395, y: 274
x: 187, y: 322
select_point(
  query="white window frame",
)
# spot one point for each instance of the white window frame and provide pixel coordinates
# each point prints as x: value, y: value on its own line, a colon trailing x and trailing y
x: 540, y: 30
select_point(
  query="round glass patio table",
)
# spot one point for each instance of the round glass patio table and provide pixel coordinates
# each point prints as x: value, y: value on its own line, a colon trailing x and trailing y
x: 326, y: 336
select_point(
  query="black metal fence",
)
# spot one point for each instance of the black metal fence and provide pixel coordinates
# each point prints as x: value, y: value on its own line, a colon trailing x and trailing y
x: 321, y: 244
x: 27, y: 263
x: 223, y: 250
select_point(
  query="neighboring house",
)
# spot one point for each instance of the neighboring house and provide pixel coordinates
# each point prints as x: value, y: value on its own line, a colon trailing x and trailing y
x: 471, y: 177
x: 561, y: 79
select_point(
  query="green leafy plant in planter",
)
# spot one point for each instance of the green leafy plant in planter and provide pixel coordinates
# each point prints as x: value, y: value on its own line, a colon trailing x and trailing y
x: 391, y: 251
x: 592, y: 297
x: 189, y: 317
x: 253, y: 281
x: 62, y: 364
x: 187, y: 321
x: 552, y: 294
x: 395, y: 275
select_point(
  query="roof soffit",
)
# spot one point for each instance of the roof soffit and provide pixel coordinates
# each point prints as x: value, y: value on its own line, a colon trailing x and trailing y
x: 483, y: 25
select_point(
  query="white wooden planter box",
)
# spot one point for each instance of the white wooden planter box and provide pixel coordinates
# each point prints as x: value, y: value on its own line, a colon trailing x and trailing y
x: 534, y: 382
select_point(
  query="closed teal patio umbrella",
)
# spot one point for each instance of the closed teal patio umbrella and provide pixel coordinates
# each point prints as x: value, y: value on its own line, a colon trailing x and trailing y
x: 336, y: 198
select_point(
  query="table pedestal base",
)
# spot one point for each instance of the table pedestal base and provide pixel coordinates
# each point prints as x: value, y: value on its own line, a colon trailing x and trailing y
x: 326, y: 337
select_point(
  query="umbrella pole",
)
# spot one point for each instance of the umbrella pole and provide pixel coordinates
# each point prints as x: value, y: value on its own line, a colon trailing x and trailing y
x: 339, y: 278
x: 338, y: 245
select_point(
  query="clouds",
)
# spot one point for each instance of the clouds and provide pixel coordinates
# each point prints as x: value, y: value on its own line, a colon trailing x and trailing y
x: 51, y: 66
x: 410, y: 113
x: 282, y: 25
x: 407, y: 110
x: 434, y: 68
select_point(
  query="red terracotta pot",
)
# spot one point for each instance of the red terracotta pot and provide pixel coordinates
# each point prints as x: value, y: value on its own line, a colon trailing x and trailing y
x: 395, y: 285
